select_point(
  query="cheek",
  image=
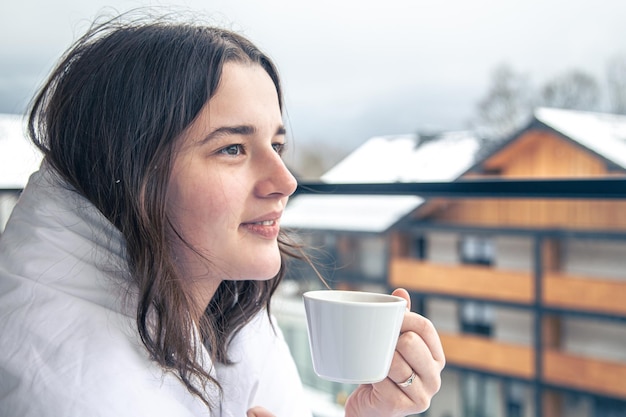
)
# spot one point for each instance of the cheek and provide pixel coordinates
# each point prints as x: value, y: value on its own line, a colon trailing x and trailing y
x: 197, y: 207
x: 189, y: 204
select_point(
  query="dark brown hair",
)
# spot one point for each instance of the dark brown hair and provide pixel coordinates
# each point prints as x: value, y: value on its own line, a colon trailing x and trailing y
x: 107, y: 120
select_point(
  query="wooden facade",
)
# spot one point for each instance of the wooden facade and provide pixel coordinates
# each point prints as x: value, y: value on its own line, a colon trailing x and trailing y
x: 545, y: 290
x: 573, y: 293
x: 528, y: 293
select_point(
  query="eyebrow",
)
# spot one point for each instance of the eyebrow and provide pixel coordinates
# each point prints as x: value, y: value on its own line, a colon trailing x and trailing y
x: 244, y: 130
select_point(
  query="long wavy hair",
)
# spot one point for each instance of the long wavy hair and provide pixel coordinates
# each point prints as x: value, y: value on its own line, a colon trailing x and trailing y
x: 107, y: 120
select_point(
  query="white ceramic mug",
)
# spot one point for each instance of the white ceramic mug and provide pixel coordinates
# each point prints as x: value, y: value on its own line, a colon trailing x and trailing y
x: 353, y: 334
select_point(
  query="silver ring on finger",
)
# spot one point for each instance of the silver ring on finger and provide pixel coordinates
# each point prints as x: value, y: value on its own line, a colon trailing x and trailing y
x: 408, y: 382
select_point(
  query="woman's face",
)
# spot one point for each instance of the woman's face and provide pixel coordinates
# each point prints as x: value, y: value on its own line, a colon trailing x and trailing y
x: 229, y: 185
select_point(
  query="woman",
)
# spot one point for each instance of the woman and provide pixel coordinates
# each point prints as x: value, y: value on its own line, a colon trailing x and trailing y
x: 137, y: 268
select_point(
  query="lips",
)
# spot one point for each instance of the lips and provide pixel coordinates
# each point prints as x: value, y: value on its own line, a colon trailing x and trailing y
x: 266, y: 226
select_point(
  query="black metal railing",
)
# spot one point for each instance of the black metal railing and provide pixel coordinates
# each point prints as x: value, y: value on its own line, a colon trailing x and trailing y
x: 584, y: 188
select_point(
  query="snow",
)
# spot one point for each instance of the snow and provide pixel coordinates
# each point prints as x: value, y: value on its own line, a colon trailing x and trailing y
x: 362, y: 213
x: 604, y: 134
x: 443, y: 157
x: 386, y: 159
x: 383, y: 159
x: 376, y: 161
x: 18, y: 157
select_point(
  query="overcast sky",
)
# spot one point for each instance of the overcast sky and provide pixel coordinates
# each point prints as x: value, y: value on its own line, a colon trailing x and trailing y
x: 353, y: 69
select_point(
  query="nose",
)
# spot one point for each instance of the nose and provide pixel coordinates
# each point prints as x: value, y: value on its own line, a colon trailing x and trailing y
x: 276, y: 179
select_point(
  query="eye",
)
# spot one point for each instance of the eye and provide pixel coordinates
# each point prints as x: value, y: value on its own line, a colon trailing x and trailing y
x: 279, y: 148
x: 232, y: 150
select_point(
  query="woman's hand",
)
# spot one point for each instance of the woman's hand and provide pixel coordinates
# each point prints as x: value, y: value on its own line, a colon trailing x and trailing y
x: 258, y: 412
x: 418, y: 352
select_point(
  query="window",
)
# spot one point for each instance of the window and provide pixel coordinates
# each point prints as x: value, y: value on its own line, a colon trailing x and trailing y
x: 474, y: 392
x: 418, y: 247
x: 372, y: 257
x: 476, y: 318
x: 514, y: 399
x: 476, y: 250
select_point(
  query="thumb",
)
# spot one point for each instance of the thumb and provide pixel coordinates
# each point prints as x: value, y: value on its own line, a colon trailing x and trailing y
x: 401, y: 292
x: 258, y: 412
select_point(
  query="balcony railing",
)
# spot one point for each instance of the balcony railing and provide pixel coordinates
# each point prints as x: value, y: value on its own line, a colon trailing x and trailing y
x: 587, y: 188
x: 541, y: 291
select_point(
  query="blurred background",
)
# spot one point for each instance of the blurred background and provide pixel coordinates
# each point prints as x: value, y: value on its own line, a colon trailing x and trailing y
x: 529, y: 294
x: 358, y: 68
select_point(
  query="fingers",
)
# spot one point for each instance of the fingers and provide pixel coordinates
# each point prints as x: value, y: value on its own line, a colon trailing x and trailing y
x: 400, y: 369
x: 258, y: 412
x: 395, y: 400
x: 418, y: 351
x: 411, y: 395
x: 426, y: 330
x: 401, y: 292
x: 411, y: 400
x: 422, y: 326
x: 413, y: 356
x: 418, y: 357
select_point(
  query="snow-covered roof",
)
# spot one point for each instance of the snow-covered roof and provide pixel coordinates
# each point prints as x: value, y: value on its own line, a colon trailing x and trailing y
x: 407, y: 158
x: 354, y: 213
x: 602, y: 133
x: 18, y: 156
x: 384, y: 159
x: 443, y: 157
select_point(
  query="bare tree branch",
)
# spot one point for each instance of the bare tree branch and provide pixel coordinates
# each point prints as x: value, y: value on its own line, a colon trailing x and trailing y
x: 507, y: 103
x: 616, y: 80
x: 574, y: 89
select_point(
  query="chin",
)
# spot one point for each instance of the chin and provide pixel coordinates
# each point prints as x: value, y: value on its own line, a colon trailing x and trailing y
x: 254, y: 264
x: 254, y: 272
x: 270, y: 272
x: 272, y: 265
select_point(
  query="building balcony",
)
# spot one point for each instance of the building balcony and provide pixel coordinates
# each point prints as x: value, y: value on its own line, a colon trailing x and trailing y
x: 559, y: 290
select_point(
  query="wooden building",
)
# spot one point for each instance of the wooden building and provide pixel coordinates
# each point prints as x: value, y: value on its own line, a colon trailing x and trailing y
x: 529, y: 295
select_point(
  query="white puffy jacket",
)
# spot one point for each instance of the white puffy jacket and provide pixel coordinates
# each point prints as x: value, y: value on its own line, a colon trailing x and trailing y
x: 68, y: 340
